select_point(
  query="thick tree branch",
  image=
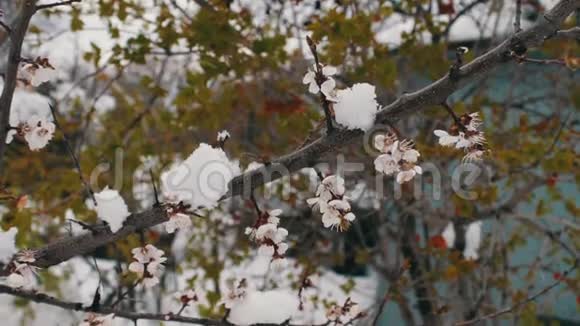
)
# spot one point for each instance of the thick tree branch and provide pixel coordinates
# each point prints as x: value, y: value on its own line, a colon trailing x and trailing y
x: 18, y: 31
x: 410, y: 103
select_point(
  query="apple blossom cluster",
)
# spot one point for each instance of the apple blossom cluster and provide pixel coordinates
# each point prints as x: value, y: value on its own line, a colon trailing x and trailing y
x: 472, y: 239
x: 465, y: 134
x: 177, y: 219
x: 332, y: 203
x: 22, y: 272
x: 320, y: 80
x: 36, y: 72
x: 399, y: 157
x: 92, y: 319
x: 270, y: 238
x: 36, y: 131
x: 148, y: 264
x: 343, y: 315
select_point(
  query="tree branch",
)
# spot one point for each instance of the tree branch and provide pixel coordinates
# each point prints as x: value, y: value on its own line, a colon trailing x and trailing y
x: 520, y: 303
x: 572, y: 33
x: 18, y: 31
x: 134, y: 316
x: 56, y: 4
x: 307, y: 156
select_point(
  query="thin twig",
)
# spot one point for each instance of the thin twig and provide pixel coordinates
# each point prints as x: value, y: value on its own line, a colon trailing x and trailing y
x: 572, y: 33
x: 518, y: 18
x: 157, y: 203
x: 319, y: 80
x: 6, y: 27
x: 74, y: 157
x: 520, y: 303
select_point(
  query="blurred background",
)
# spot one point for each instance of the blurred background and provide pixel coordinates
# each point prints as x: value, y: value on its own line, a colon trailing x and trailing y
x: 141, y: 83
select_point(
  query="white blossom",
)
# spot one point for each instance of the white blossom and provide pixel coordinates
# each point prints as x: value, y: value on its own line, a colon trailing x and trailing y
x: 22, y: 276
x: 384, y: 142
x: 310, y: 80
x: 37, y: 72
x: 446, y: 139
x: 36, y: 131
x: 223, y: 136
x: 92, y: 319
x: 465, y: 134
x: 332, y: 203
x: 177, y: 221
x: 235, y: 294
x: 148, y: 264
x: 400, y: 158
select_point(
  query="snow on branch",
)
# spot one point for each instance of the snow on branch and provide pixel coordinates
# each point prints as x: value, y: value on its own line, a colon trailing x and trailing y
x: 408, y: 104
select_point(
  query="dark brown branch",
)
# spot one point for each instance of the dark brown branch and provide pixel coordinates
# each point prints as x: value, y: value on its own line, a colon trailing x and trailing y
x: 6, y: 27
x: 518, y: 18
x: 18, y: 31
x: 410, y: 103
x: 319, y: 80
x: 77, y: 306
x: 134, y: 316
x: 56, y: 4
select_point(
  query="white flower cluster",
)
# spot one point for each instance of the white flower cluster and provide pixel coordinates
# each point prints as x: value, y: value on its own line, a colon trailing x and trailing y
x: 36, y: 131
x: 148, y: 265
x: 345, y: 314
x: 270, y: 237
x: 398, y: 157
x: 333, y: 204
x: 322, y: 82
x: 22, y: 272
x: 177, y: 220
x: 465, y: 135
x: 92, y: 319
x: 37, y: 72
x: 236, y: 293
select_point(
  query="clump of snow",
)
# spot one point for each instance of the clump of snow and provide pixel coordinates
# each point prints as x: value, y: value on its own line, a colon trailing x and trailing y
x: 7, y: 244
x: 356, y: 107
x: 202, y: 179
x: 111, y: 208
x: 268, y: 307
x: 472, y: 239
